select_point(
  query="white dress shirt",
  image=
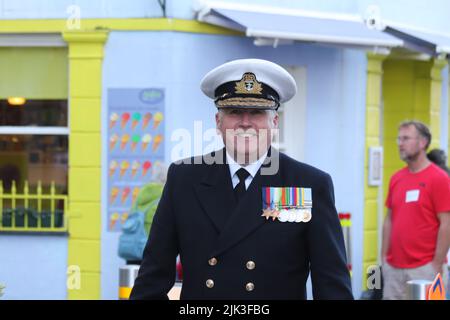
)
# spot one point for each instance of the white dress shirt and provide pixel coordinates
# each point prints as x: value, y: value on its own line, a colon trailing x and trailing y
x: 251, y: 168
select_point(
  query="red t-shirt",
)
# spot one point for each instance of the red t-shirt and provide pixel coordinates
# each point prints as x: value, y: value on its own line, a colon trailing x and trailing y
x: 414, y: 200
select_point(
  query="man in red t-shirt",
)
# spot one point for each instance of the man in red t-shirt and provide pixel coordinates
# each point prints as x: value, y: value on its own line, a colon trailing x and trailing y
x: 416, y: 230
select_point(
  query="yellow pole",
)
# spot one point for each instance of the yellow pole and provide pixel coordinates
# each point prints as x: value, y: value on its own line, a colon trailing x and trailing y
x: 25, y: 203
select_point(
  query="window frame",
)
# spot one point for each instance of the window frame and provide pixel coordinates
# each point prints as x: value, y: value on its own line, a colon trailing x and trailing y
x: 31, y: 40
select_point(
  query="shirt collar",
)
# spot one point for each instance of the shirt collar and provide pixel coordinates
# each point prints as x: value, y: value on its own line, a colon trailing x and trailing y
x: 252, y: 168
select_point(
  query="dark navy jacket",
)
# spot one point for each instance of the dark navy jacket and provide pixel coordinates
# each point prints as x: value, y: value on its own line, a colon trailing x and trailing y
x: 199, y: 219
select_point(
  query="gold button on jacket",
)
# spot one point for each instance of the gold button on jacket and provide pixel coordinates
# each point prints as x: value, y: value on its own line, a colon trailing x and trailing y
x: 209, y: 283
x: 212, y: 261
x: 249, y: 286
x: 250, y: 265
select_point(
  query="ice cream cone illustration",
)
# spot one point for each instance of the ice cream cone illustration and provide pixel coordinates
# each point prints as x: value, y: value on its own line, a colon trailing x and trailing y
x: 123, y: 217
x: 124, y: 165
x: 114, y: 194
x: 112, y: 167
x: 157, y: 119
x: 135, y: 193
x: 134, y: 141
x: 135, y: 119
x: 125, y: 118
x: 146, y: 120
x: 146, y: 139
x: 113, y: 119
x: 145, y: 167
x: 134, y: 168
x: 113, y: 219
x: 156, y: 142
x: 124, y: 141
x: 156, y: 165
x: 113, y: 140
x: 125, y: 194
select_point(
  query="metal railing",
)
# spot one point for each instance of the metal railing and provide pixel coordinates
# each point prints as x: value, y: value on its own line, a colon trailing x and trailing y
x: 33, y: 212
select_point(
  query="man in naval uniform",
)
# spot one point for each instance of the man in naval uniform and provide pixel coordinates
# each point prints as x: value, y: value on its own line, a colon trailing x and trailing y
x: 247, y: 221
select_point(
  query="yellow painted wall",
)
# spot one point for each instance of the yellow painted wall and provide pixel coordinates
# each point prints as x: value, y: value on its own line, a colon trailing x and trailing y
x: 152, y: 24
x: 85, y: 78
x: 412, y: 91
x: 373, y: 139
x: 399, y: 101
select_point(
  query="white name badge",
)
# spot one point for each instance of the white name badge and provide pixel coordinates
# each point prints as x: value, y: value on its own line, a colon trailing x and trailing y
x: 412, y: 195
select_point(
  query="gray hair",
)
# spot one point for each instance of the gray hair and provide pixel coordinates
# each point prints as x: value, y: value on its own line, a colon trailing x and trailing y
x: 421, y: 128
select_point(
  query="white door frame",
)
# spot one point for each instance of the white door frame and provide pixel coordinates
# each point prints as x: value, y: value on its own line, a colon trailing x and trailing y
x: 293, y: 119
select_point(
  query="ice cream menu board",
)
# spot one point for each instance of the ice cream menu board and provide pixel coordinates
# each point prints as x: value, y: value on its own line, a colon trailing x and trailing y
x: 135, y: 146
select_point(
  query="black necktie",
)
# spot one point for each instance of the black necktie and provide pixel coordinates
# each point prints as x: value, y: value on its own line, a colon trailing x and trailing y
x: 239, y: 191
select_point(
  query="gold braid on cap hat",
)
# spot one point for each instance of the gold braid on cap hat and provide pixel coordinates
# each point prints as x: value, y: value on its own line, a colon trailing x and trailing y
x: 246, y: 93
x: 246, y: 102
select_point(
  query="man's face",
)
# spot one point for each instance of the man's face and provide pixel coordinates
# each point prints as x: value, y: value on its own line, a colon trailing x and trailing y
x: 247, y: 134
x: 410, y: 143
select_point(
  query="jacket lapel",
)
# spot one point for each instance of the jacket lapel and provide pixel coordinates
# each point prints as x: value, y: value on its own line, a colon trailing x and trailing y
x: 247, y: 215
x: 215, y: 193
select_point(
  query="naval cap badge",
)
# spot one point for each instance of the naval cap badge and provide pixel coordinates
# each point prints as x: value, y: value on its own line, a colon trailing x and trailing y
x: 248, y: 84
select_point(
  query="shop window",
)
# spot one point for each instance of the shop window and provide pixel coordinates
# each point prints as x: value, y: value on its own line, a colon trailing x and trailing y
x: 43, y: 113
x: 33, y: 165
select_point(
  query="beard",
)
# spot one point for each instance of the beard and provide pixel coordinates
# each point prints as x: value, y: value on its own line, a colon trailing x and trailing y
x: 410, y: 157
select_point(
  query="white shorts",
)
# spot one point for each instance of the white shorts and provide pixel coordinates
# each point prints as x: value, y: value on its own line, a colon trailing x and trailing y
x: 394, y: 279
